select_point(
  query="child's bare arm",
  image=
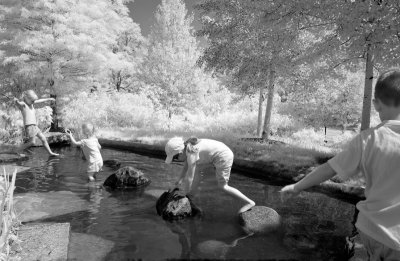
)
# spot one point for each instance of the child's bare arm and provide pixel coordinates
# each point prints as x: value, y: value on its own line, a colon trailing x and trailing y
x: 44, y: 100
x: 19, y: 103
x: 190, y: 173
x: 76, y: 143
x: 319, y: 175
x: 183, y: 174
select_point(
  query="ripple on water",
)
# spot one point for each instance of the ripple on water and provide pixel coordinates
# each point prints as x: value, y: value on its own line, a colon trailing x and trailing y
x: 56, y: 189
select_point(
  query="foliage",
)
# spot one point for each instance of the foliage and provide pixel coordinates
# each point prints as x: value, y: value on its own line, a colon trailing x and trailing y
x: 331, y: 101
x: 170, y: 74
x: 8, y: 221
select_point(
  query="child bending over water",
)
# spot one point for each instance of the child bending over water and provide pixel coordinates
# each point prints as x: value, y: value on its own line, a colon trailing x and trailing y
x: 31, y: 129
x: 375, y: 153
x: 204, y: 151
x: 91, y: 149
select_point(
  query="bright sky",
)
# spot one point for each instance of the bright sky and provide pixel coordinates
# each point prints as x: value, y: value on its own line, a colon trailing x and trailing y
x: 142, y: 12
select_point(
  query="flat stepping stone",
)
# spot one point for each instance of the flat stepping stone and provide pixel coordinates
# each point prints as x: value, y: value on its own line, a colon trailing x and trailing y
x: 36, y: 206
x: 10, y: 157
x: 46, y: 241
x: 260, y: 220
x: 11, y: 168
x: 88, y: 247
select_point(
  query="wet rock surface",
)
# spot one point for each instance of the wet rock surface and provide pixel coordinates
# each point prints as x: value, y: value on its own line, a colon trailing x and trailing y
x: 126, y: 178
x: 10, y: 157
x: 174, y: 204
x: 260, y: 220
x: 88, y: 247
x: 112, y: 163
x: 44, y: 241
x: 36, y: 206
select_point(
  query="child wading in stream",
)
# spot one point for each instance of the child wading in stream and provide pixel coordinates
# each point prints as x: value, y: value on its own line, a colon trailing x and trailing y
x: 204, y: 151
x: 31, y: 129
x: 375, y: 153
x: 91, y: 149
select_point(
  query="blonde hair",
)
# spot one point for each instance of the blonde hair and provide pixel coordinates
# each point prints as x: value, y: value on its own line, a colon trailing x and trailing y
x: 30, y: 94
x: 89, y: 126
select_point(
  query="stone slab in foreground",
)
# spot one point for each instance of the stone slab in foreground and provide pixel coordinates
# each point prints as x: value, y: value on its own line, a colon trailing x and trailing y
x: 9, y: 157
x: 44, y: 242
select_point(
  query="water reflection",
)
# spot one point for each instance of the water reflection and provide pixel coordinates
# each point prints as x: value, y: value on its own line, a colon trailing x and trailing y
x: 314, y: 225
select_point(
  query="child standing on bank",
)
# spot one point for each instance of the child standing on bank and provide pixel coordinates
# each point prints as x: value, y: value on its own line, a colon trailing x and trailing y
x: 376, y: 154
x: 30, y: 123
x: 204, y: 151
x: 91, y: 149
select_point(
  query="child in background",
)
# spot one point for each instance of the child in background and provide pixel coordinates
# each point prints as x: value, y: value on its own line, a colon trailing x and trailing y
x: 30, y: 123
x: 375, y: 153
x: 204, y: 151
x: 91, y: 149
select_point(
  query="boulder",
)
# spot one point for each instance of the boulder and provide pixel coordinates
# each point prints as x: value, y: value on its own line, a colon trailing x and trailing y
x: 174, y: 204
x: 126, y: 178
x: 260, y: 220
x: 53, y: 138
x: 112, y: 163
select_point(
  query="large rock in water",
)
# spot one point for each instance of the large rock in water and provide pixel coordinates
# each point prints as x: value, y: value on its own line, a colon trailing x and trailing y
x: 126, y: 178
x: 112, y: 163
x: 174, y: 204
x: 260, y: 220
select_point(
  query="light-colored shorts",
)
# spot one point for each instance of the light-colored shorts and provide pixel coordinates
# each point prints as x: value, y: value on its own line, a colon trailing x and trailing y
x: 31, y: 131
x: 377, y: 251
x: 223, y: 165
x: 94, y: 167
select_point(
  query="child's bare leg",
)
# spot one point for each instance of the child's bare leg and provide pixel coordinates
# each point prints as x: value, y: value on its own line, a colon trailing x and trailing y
x: 46, y: 144
x: 237, y: 194
x: 91, y: 176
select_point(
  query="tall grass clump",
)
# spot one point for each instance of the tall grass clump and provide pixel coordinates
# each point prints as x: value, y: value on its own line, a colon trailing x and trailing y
x: 8, y: 221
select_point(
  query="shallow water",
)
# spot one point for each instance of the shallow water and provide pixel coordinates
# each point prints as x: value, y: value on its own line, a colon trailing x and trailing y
x: 314, y: 225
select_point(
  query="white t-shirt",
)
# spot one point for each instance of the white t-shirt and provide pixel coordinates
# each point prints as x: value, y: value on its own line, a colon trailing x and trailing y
x: 207, y: 152
x: 91, y: 150
x: 376, y: 154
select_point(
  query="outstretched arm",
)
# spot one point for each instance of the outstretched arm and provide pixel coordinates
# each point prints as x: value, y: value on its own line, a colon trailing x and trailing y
x: 319, y: 175
x: 76, y: 143
x: 190, y: 173
x: 183, y: 174
x: 44, y: 100
x: 19, y: 103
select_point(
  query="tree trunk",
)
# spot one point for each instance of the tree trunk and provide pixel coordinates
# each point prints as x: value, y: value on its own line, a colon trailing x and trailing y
x: 260, y: 114
x: 369, y: 76
x: 54, y: 125
x: 270, y: 100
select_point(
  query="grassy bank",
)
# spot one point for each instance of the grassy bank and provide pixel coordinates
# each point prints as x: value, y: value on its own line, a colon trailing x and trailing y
x: 298, y: 152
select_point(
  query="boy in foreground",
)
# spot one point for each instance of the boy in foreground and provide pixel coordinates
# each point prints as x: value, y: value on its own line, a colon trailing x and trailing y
x: 30, y: 123
x: 376, y: 154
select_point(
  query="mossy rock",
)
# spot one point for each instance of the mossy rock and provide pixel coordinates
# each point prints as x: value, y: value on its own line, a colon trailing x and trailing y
x: 260, y: 220
x: 126, y: 178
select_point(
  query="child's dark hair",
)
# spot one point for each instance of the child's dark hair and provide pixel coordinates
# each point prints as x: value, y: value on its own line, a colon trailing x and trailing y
x: 387, y: 88
x: 190, y: 143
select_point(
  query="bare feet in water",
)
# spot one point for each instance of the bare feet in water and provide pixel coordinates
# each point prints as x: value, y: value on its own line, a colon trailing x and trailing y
x: 247, y: 207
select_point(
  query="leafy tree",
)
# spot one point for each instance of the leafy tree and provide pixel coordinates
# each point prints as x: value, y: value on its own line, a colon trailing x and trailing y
x: 169, y: 69
x: 59, y: 46
x: 256, y: 41
x: 358, y: 29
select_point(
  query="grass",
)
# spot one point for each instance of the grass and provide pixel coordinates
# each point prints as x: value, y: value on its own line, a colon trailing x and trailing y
x: 291, y: 152
x: 8, y: 221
